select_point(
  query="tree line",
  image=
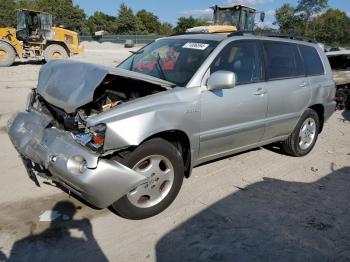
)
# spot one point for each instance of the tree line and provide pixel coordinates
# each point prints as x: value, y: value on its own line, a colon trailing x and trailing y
x: 309, y: 18
x: 71, y: 16
x: 313, y: 19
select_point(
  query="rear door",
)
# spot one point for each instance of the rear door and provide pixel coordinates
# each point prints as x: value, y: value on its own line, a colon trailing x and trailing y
x: 287, y: 86
x: 234, y: 118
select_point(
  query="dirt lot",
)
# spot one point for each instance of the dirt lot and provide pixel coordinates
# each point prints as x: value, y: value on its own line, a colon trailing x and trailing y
x: 259, y: 205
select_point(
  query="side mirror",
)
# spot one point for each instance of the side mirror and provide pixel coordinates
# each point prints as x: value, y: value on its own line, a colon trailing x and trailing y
x: 262, y: 16
x: 221, y: 80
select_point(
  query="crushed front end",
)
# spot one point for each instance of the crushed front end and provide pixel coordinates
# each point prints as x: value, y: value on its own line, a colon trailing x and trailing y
x: 61, y: 148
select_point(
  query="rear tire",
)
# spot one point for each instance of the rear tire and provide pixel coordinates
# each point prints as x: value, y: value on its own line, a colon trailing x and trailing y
x: 141, y: 202
x: 55, y: 52
x: 304, y: 136
x: 7, y: 54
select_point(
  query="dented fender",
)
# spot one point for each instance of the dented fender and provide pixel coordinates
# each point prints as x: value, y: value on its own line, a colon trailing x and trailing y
x: 133, y: 123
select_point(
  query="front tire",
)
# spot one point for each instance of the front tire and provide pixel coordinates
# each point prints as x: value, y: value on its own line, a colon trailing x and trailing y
x: 55, y: 52
x: 7, y: 54
x: 304, y: 136
x: 163, y: 164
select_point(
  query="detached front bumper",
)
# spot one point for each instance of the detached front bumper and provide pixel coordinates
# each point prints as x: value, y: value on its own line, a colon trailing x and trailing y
x: 99, y: 181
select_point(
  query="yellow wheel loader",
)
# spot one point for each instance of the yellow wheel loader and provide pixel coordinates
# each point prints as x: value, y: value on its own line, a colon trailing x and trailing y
x: 36, y: 38
x: 230, y: 18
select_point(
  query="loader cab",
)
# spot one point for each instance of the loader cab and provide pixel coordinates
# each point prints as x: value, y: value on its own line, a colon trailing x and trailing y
x: 33, y: 26
x: 241, y: 16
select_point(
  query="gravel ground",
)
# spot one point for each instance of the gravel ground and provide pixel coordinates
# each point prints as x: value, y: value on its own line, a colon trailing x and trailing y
x: 256, y: 206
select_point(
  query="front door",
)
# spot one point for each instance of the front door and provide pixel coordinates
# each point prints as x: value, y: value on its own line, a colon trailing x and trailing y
x: 234, y: 118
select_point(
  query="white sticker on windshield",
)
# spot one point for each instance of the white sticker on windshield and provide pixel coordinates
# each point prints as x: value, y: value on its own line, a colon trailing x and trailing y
x: 198, y: 46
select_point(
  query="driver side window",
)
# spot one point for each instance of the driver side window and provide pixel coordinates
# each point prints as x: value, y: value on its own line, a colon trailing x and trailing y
x: 242, y: 58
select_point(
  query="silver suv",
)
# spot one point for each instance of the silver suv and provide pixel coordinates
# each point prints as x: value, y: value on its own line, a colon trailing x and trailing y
x: 125, y: 137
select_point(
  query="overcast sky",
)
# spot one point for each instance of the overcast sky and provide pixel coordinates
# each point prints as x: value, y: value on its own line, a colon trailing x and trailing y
x: 169, y: 11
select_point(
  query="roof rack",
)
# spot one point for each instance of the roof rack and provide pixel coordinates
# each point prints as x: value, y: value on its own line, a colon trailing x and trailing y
x: 269, y: 34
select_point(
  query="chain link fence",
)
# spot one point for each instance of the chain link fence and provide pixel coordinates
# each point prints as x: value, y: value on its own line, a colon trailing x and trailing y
x: 120, y: 39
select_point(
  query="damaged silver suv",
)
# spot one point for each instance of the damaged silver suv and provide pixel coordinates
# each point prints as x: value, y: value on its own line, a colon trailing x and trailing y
x: 125, y: 137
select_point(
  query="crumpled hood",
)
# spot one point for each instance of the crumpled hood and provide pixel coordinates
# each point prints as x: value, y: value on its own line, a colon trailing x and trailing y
x: 71, y: 84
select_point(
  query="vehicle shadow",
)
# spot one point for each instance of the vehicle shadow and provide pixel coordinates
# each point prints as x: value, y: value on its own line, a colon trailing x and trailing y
x: 66, y: 239
x: 272, y: 220
x: 28, y: 62
x: 276, y: 148
x: 2, y: 257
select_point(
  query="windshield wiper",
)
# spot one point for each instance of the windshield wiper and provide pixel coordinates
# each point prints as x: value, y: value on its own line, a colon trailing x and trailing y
x: 160, y: 67
x: 135, y: 53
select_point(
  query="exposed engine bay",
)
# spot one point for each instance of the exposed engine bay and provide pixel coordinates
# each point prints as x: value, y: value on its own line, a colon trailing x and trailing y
x: 116, y: 90
x: 111, y: 93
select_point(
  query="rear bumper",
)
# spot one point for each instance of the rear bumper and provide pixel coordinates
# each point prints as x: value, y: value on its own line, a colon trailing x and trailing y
x: 99, y: 181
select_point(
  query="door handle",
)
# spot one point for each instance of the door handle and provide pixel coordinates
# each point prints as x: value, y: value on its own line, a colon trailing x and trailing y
x: 260, y: 92
x: 303, y: 84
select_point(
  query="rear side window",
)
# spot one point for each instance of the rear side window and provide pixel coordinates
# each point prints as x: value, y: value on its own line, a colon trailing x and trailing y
x: 242, y: 58
x: 283, y: 60
x: 313, y: 63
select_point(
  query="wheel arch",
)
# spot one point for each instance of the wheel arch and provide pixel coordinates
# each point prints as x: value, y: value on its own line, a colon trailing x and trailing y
x: 181, y: 140
x: 319, y: 109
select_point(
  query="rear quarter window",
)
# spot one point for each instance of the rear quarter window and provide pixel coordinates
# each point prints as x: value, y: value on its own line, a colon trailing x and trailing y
x: 312, y: 60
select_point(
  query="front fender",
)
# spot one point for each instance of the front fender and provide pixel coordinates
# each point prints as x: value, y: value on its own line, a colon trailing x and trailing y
x: 134, y: 123
x: 134, y: 130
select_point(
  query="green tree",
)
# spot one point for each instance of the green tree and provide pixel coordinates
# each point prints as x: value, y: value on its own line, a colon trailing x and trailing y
x: 296, y: 20
x: 100, y: 21
x: 185, y: 23
x: 332, y: 27
x: 287, y: 21
x: 27, y: 4
x: 166, y: 29
x: 127, y: 23
x: 309, y: 8
x: 64, y: 13
x: 149, y: 21
x: 7, y: 13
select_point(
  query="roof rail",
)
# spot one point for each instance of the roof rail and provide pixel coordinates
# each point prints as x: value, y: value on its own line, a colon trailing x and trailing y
x: 270, y: 34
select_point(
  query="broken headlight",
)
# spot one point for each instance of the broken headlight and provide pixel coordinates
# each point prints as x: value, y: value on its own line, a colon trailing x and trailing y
x: 93, y: 137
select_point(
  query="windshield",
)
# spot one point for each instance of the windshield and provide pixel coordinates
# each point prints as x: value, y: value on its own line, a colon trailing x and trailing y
x: 227, y: 17
x: 174, y: 60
